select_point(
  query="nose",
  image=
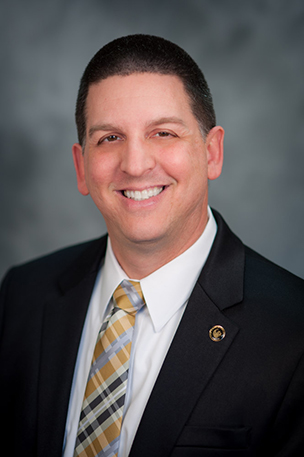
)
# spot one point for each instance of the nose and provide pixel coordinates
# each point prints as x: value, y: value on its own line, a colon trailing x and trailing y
x: 137, y: 157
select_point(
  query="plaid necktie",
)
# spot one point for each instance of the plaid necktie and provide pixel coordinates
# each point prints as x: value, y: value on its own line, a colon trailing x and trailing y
x: 102, y: 408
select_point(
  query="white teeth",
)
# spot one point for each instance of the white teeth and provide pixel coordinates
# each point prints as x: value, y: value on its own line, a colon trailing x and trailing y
x: 138, y: 195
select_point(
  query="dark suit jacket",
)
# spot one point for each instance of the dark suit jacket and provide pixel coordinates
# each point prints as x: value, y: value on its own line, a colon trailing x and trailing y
x: 241, y: 396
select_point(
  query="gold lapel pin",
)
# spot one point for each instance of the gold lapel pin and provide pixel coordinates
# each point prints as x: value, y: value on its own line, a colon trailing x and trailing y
x: 217, y: 333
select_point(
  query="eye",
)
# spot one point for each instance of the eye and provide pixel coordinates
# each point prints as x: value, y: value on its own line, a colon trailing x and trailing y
x: 109, y: 139
x: 163, y: 134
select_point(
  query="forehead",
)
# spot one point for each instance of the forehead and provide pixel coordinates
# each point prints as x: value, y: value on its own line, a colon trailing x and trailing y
x: 147, y: 93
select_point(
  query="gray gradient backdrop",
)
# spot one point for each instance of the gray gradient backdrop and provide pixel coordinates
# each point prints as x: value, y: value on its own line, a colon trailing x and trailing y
x: 252, y: 55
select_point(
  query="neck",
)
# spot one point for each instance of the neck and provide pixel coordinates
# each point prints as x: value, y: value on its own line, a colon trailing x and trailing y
x: 140, y: 259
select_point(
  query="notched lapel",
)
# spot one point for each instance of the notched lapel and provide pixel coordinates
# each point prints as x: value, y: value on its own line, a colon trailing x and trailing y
x: 193, y: 357
x: 64, y: 317
x: 190, y: 363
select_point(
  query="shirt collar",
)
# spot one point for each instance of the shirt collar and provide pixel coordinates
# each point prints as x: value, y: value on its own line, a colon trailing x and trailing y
x: 168, y: 288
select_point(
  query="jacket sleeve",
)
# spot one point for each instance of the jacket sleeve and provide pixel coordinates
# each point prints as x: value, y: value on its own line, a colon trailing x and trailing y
x: 287, y: 434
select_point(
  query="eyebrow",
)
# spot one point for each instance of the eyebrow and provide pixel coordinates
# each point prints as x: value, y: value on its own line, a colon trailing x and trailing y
x: 154, y: 123
x: 103, y: 127
x: 166, y: 120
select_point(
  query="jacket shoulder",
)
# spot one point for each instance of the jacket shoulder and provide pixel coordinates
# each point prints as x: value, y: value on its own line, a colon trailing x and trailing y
x: 52, y: 267
x: 264, y: 274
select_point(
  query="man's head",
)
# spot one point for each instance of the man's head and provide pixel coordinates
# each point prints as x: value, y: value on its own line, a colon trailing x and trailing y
x: 142, y: 156
x: 147, y: 54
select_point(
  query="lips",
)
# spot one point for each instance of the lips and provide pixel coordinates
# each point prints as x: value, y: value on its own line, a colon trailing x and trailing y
x: 140, y: 195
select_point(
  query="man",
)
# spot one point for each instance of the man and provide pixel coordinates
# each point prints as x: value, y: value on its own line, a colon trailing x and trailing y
x: 216, y: 366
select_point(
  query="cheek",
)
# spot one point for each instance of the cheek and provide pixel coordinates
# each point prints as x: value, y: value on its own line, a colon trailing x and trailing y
x: 175, y: 161
x: 98, y: 172
x: 199, y: 163
x: 186, y: 164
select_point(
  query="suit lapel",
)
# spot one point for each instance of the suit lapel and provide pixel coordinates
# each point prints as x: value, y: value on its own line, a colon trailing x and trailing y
x: 64, y: 317
x: 193, y: 357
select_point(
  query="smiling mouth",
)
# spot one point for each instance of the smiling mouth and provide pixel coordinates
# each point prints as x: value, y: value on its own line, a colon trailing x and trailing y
x: 139, y: 195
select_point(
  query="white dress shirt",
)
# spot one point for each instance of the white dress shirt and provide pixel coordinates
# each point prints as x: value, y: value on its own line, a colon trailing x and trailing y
x: 166, y: 293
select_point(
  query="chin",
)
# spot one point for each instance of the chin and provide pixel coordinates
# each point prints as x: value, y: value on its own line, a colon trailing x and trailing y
x: 143, y: 235
x: 142, y: 239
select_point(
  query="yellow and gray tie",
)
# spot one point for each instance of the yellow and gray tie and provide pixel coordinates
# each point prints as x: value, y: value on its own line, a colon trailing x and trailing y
x: 102, y: 408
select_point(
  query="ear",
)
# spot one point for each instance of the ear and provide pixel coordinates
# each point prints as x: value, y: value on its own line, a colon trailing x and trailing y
x: 78, y: 158
x: 215, y: 151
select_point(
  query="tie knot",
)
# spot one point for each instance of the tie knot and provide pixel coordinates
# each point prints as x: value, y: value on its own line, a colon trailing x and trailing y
x: 128, y: 296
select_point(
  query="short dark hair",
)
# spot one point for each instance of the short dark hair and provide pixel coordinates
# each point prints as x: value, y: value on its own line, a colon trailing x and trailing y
x: 147, y: 54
